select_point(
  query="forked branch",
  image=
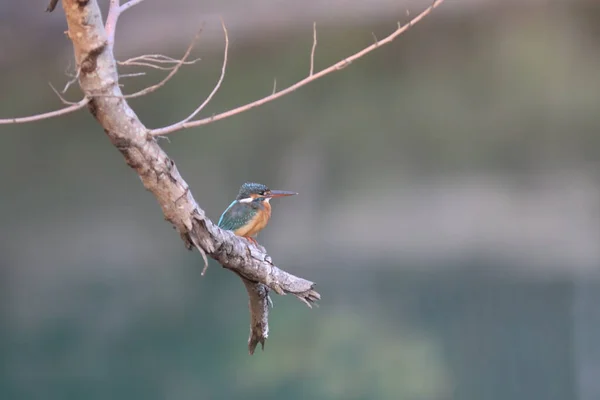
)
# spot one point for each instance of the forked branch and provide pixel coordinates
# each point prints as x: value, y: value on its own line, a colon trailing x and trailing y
x: 98, y: 78
x: 217, y: 85
x: 156, y: 61
x: 99, y: 81
x: 178, y: 64
x: 186, y: 123
x: 114, y: 12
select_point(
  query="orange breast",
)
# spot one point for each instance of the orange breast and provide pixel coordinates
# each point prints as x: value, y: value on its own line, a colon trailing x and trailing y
x: 258, y: 223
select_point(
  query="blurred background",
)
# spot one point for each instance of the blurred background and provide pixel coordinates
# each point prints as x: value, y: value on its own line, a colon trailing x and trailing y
x: 449, y: 206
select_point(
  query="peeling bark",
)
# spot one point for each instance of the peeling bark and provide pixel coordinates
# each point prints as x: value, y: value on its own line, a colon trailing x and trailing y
x: 98, y: 79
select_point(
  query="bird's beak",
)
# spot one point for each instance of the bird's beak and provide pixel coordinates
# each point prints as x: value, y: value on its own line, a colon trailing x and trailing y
x: 280, y: 193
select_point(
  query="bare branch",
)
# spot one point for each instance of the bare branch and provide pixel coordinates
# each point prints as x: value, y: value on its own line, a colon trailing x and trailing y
x: 114, y: 11
x: 259, y: 314
x: 375, y: 40
x: 174, y: 70
x: 312, y: 52
x: 48, y: 115
x: 159, y: 174
x: 178, y: 125
x: 133, y: 75
x: 333, y: 68
x: 98, y: 77
x: 71, y: 81
x: 130, y: 4
x: 62, y: 99
x: 147, y: 65
x: 157, y: 58
x: 202, y: 252
x: 150, y: 61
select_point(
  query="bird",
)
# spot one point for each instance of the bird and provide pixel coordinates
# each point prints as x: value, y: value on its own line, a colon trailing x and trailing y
x: 249, y: 213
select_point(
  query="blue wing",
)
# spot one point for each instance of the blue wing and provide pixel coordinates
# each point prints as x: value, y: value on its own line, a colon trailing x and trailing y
x: 236, y: 215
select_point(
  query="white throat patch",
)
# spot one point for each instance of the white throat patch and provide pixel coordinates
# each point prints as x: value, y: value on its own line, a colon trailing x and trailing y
x: 246, y: 200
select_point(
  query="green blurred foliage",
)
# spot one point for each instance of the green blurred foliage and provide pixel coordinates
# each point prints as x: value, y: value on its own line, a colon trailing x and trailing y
x: 350, y: 356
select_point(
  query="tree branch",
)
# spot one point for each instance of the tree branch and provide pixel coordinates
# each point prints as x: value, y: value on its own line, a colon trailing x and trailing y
x: 171, y: 74
x: 312, y: 51
x: 114, y: 11
x: 130, y: 4
x: 98, y: 79
x: 154, y: 61
x: 52, y: 114
x: 310, y: 78
x: 259, y: 314
x: 179, y: 124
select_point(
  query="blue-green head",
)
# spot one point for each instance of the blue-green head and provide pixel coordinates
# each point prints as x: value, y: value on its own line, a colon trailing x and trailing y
x: 251, y: 191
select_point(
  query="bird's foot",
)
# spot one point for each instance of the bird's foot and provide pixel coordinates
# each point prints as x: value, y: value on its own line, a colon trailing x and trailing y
x: 252, y: 240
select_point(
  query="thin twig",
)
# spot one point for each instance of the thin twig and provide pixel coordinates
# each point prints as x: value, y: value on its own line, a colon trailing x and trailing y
x: 312, y: 52
x: 48, y: 115
x: 62, y: 99
x: 133, y: 75
x: 274, y: 85
x: 157, y: 58
x: 147, y: 65
x: 181, y: 62
x: 333, y: 68
x: 215, y: 89
x: 375, y: 40
x: 72, y: 81
x: 195, y: 242
x: 130, y: 4
x: 149, y: 60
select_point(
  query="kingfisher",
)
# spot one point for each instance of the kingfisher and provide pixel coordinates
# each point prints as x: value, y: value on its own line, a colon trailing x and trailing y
x: 249, y: 213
